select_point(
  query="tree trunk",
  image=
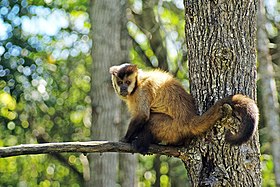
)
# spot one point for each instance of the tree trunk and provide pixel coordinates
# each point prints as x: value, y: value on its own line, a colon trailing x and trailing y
x: 269, y: 92
x: 220, y: 37
x: 109, y: 48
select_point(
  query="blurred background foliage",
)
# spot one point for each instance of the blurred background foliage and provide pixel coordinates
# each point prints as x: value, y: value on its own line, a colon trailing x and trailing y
x: 45, y: 83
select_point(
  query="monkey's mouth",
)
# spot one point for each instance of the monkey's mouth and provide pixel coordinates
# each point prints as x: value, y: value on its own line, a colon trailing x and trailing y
x: 124, y: 93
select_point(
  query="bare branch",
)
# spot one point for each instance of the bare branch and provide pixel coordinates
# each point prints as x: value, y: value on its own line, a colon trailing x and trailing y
x: 83, y: 147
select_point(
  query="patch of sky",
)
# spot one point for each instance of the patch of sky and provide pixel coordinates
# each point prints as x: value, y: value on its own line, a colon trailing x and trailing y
x: 5, y: 30
x: 46, y: 22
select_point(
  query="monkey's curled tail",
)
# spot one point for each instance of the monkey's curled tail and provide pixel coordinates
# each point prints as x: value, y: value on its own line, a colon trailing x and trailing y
x: 246, y: 110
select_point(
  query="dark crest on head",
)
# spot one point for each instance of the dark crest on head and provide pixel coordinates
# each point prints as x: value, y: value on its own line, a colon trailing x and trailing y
x: 126, y: 70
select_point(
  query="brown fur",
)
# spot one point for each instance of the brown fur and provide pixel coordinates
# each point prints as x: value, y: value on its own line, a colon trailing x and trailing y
x: 162, y: 111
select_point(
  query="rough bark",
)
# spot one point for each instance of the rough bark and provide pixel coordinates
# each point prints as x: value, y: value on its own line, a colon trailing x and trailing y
x: 269, y: 92
x: 220, y: 37
x: 109, y: 45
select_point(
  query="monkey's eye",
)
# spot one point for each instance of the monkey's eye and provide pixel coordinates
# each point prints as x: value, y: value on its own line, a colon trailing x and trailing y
x: 119, y: 82
x: 127, y: 82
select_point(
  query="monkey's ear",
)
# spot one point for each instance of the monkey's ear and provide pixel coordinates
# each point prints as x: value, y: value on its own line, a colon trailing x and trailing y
x: 134, y: 66
x: 114, y: 70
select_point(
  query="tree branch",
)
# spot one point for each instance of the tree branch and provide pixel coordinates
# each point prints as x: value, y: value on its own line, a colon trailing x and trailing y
x: 83, y: 147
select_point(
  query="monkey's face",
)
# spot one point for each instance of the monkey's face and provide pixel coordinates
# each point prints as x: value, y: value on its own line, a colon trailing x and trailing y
x: 124, y: 79
x: 125, y: 86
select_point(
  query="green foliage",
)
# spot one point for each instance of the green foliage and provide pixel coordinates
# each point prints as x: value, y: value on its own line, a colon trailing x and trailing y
x: 44, y: 88
x: 45, y: 75
x: 267, y: 171
x: 35, y: 171
x: 169, y: 16
x: 171, y: 171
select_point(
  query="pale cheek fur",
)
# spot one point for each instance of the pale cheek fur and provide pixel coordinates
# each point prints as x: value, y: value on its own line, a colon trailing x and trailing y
x: 131, y: 87
x: 116, y: 87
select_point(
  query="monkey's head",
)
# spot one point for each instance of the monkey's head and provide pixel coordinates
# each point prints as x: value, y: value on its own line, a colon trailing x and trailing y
x: 124, y: 79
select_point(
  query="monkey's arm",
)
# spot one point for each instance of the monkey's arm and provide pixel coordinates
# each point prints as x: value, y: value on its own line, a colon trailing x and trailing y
x: 135, y: 126
x: 141, y: 114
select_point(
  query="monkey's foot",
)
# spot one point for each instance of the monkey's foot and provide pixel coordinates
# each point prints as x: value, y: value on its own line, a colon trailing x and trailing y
x: 140, y: 147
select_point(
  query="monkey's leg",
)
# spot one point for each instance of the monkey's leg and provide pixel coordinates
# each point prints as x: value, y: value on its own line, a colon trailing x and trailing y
x: 159, y: 128
x: 165, y: 129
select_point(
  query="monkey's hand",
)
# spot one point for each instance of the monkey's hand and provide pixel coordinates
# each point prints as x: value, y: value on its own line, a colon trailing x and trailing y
x: 141, y: 145
x: 226, y: 110
x: 138, y: 143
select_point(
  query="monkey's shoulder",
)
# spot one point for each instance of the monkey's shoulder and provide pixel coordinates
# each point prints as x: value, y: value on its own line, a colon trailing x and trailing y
x: 155, y: 78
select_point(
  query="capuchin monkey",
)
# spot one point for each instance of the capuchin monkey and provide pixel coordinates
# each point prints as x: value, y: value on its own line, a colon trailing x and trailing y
x: 162, y: 111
